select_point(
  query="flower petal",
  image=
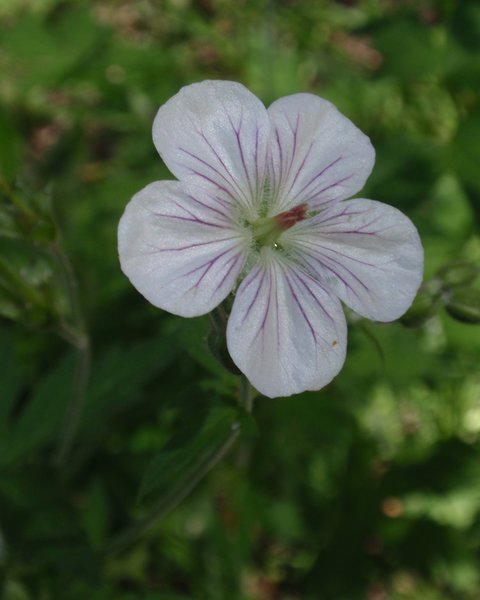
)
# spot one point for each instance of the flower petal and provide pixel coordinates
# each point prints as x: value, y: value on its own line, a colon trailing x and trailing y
x: 286, y: 332
x: 317, y: 154
x: 366, y: 252
x: 181, y: 249
x: 216, y: 132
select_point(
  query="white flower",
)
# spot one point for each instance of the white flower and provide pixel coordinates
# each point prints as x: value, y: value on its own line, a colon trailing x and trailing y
x: 261, y: 210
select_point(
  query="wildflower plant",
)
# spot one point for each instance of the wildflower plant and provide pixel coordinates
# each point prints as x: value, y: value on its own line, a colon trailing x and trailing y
x: 260, y: 220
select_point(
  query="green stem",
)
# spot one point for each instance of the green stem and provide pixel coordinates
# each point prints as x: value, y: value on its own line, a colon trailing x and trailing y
x: 202, y: 466
x: 363, y: 327
x: 71, y: 284
x: 178, y: 493
x: 77, y: 401
x: 78, y: 337
x: 247, y: 394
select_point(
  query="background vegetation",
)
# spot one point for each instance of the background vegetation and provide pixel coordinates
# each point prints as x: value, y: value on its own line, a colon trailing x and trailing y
x: 368, y: 489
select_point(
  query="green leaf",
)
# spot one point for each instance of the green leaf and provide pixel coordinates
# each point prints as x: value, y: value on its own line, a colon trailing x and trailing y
x: 96, y: 514
x: 119, y: 375
x: 35, y: 53
x: 42, y: 416
x: 179, y: 458
x: 414, y: 50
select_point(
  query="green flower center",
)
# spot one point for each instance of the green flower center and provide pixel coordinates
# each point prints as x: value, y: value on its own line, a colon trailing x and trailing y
x: 267, y: 230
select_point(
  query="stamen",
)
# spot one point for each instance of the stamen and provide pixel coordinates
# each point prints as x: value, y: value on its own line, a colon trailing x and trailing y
x: 287, y: 219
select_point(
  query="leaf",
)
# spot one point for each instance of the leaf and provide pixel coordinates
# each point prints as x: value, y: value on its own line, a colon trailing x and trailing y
x: 423, y: 52
x: 96, y: 514
x: 36, y: 54
x: 42, y: 416
x: 193, y: 335
x: 120, y: 374
x: 178, y: 459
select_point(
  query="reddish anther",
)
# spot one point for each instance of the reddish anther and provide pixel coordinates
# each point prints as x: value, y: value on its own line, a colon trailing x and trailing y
x: 286, y: 219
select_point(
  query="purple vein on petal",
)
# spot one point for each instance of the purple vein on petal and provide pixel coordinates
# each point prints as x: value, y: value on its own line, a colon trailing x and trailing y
x: 277, y: 315
x: 225, y: 216
x: 336, y: 252
x: 258, y: 183
x: 156, y: 249
x: 261, y: 327
x: 216, y: 184
x: 206, y: 266
x: 302, y: 164
x: 312, y: 261
x: 337, y: 267
x: 234, y: 260
x: 240, y: 147
x: 315, y: 193
x: 302, y: 279
x: 301, y: 309
x: 233, y: 180
x: 321, y: 219
x: 259, y: 272
x: 192, y: 219
x: 294, y: 131
x: 212, y: 168
x: 318, y: 175
x: 280, y: 154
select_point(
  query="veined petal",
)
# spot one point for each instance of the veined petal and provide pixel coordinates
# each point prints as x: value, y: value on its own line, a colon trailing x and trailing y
x: 317, y: 155
x: 216, y: 132
x: 286, y: 332
x: 180, y: 247
x: 366, y: 252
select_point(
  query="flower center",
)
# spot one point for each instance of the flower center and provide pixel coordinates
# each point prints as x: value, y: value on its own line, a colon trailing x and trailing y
x: 267, y: 230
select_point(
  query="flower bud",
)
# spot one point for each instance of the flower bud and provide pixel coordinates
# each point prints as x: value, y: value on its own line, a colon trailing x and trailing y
x: 458, y: 273
x: 464, y: 305
x: 423, y: 308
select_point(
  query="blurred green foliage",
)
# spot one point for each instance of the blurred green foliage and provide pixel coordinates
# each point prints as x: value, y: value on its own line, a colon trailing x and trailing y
x: 368, y: 489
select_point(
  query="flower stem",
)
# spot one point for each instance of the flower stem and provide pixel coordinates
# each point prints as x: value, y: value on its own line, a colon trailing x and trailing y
x: 247, y: 394
x: 78, y: 337
x: 202, y: 466
x: 77, y: 401
x: 176, y: 494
